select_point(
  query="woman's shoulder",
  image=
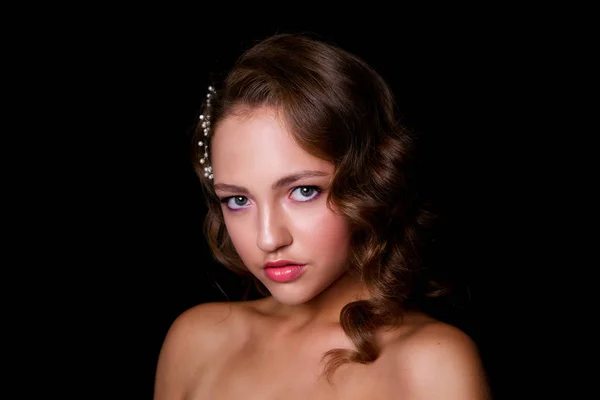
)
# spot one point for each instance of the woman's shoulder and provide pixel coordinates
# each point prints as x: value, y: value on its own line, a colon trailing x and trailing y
x: 205, y: 323
x: 418, y: 329
x: 439, y: 358
x: 196, y: 336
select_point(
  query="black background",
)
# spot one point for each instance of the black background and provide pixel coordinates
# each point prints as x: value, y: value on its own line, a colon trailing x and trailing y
x: 465, y: 79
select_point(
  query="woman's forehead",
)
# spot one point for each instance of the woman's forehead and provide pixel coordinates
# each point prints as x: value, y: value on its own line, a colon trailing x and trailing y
x: 259, y: 144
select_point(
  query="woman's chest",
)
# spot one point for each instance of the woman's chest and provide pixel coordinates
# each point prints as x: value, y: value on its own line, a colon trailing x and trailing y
x: 291, y: 370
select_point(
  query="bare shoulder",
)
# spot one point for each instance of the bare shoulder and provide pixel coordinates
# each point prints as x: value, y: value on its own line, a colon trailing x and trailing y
x: 192, y: 339
x: 435, y: 360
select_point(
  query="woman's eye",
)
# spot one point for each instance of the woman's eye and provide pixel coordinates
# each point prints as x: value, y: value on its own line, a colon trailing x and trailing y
x: 301, y: 194
x: 235, y: 202
x: 306, y: 193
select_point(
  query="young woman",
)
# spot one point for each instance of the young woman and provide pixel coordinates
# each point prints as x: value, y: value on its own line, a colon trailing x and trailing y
x: 310, y: 188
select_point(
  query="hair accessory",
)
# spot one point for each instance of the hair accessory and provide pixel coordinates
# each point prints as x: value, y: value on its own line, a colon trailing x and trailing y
x: 205, y: 118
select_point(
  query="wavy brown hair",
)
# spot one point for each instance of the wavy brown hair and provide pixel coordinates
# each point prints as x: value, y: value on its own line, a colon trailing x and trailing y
x: 339, y: 109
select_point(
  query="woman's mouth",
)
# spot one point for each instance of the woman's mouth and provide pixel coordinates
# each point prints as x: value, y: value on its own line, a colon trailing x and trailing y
x: 286, y: 273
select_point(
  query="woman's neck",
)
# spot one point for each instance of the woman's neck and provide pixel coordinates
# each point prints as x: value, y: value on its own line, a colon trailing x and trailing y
x: 325, y: 307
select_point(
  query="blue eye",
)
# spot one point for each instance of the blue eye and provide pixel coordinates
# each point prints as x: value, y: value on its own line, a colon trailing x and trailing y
x: 235, y: 202
x: 307, y: 193
x: 301, y: 194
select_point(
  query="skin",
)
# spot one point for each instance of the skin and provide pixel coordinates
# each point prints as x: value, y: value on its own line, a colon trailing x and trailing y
x: 272, y: 348
x: 291, y: 222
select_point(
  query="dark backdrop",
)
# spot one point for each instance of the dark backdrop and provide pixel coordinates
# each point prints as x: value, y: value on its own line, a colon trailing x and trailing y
x: 460, y: 82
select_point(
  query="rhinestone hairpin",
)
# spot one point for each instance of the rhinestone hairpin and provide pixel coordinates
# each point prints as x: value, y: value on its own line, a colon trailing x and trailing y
x: 205, y: 118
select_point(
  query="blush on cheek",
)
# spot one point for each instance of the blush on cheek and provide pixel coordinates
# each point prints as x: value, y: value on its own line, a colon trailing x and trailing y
x: 330, y: 224
x: 332, y: 233
x: 239, y: 240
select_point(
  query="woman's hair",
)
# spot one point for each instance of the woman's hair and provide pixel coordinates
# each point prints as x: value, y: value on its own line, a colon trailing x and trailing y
x: 339, y: 109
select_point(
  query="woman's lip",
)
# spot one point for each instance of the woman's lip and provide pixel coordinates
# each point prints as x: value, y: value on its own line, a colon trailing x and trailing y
x: 286, y: 273
x: 280, y: 263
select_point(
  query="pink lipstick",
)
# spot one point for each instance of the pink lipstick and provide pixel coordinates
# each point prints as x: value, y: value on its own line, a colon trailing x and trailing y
x: 283, y: 270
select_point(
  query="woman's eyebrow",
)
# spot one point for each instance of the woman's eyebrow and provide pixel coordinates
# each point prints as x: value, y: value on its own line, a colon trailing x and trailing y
x: 281, y: 182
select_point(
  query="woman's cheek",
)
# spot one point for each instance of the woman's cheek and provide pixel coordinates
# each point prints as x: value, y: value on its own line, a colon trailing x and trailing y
x: 232, y: 228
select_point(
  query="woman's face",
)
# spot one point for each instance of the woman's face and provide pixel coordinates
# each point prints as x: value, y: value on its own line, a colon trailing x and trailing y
x: 273, y: 197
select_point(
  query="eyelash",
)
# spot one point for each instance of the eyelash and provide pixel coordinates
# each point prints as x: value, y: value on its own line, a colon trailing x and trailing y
x: 317, y: 189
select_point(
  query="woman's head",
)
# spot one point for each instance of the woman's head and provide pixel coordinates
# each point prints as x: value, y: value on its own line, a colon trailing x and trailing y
x: 291, y: 103
x: 273, y: 196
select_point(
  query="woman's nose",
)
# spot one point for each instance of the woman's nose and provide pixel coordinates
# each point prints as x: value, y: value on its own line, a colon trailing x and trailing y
x: 272, y: 230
